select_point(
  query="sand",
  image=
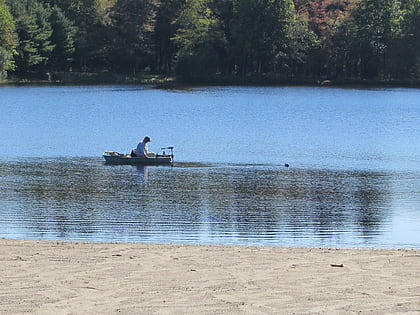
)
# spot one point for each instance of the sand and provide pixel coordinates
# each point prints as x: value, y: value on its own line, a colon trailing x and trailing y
x: 105, y: 278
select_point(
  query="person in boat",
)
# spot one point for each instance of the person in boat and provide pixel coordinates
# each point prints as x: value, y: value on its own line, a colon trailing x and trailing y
x: 142, y: 149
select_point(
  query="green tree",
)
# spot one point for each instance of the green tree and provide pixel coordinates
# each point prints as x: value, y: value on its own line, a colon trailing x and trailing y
x: 134, y: 26
x: 63, y: 38
x: 301, y: 44
x: 197, y: 37
x: 92, y: 37
x: 7, y: 40
x: 165, y: 48
x: 377, y: 23
x: 408, y: 56
x: 346, y: 50
x: 34, y: 32
x: 258, y: 34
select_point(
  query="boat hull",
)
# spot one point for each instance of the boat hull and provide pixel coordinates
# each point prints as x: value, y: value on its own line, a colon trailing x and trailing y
x: 117, y: 158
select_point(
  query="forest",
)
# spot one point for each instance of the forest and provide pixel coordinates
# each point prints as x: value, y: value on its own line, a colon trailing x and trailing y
x: 213, y: 41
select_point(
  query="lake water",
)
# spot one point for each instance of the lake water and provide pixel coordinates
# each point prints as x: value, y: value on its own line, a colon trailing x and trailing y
x: 353, y: 180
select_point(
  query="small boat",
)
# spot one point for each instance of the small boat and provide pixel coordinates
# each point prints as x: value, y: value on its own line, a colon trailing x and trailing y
x: 112, y: 157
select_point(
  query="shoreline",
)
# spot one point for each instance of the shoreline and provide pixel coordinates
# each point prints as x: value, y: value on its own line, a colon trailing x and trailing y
x: 174, y: 82
x: 46, y: 277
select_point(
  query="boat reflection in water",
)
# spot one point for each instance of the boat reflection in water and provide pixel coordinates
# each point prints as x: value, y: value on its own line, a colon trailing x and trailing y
x: 142, y: 173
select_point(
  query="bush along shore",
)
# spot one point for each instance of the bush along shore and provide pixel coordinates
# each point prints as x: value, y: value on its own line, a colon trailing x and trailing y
x: 84, y: 78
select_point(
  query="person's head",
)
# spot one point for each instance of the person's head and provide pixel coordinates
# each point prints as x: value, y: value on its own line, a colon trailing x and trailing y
x: 146, y: 139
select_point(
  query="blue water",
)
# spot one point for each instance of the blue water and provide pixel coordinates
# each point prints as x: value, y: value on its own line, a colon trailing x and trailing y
x: 353, y: 179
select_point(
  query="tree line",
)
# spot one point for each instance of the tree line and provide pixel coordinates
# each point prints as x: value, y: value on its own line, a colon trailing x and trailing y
x: 213, y: 39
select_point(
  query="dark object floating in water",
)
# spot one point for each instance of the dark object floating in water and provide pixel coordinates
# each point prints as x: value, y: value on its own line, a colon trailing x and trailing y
x: 286, y: 165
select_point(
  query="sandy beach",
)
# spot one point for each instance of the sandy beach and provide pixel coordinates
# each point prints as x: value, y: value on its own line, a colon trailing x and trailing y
x: 106, y: 278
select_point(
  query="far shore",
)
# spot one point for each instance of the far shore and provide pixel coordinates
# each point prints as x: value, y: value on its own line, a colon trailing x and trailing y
x: 172, y: 81
x: 50, y: 277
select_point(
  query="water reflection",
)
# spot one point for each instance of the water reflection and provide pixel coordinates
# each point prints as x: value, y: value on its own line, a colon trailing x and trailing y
x: 84, y: 199
x: 142, y: 173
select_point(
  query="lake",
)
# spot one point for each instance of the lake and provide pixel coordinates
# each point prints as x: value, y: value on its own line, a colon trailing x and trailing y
x: 353, y: 180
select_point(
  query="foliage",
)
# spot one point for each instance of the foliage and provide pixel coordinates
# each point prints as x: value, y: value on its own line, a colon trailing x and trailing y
x: 408, y: 55
x: 34, y: 32
x: 133, y: 23
x: 302, y: 45
x: 207, y: 39
x: 165, y: 29
x: 196, y: 38
x: 259, y: 31
x: 7, y: 40
x: 63, y: 36
x: 377, y: 23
